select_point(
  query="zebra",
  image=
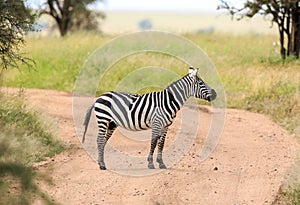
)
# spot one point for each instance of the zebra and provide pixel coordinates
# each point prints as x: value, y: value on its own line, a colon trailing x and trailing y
x: 154, y: 110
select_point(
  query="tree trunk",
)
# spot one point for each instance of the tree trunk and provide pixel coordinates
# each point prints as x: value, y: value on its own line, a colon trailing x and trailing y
x: 297, y: 42
x: 61, y: 14
x: 295, y: 31
x: 280, y: 24
x: 288, y: 30
x: 63, y: 27
x: 65, y: 17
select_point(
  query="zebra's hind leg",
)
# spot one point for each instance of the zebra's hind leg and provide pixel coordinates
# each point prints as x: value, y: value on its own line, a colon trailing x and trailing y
x: 104, y: 134
x: 161, y: 143
x: 101, y: 141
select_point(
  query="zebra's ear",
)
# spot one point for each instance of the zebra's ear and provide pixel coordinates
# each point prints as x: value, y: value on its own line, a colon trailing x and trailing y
x: 193, y: 72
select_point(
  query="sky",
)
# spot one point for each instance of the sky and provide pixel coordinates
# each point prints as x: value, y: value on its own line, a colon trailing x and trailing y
x: 162, y: 5
x: 152, y: 5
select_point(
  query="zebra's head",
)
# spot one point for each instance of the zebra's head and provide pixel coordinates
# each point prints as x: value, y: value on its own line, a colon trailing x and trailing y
x: 199, y: 88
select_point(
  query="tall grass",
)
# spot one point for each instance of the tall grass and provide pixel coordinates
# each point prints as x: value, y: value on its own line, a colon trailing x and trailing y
x: 24, y: 140
x: 58, y: 61
x: 253, y: 75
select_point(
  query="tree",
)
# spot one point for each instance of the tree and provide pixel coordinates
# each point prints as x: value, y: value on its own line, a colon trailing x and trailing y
x: 284, y: 13
x: 15, y: 21
x: 72, y: 14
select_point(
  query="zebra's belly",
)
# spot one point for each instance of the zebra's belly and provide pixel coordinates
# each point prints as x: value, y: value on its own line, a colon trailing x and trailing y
x: 134, y: 125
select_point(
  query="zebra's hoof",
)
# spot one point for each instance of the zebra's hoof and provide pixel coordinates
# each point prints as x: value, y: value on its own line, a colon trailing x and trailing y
x: 162, y: 166
x: 102, y: 167
x: 151, y: 166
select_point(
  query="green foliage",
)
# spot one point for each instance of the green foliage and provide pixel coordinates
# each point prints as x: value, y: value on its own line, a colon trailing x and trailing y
x: 293, y: 196
x: 72, y: 15
x: 15, y: 21
x: 27, y: 132
x: 284, y: 13
x: 24, y: 140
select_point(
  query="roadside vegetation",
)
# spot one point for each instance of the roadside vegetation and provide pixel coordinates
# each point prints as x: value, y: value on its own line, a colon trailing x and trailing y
x: 25, y: 139
x: 254, y: 77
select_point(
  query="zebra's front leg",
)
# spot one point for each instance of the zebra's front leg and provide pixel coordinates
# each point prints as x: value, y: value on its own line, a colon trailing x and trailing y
x: 156, y: 129
x: 161, y: 143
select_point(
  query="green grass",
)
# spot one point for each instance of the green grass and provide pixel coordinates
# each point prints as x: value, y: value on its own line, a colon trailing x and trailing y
x: 58, y: 61
x: 292, y: 195
x: 252, y: 73
x: 25, y: 139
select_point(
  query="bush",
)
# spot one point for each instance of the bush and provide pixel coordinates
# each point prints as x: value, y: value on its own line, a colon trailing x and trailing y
x: 24, y: 140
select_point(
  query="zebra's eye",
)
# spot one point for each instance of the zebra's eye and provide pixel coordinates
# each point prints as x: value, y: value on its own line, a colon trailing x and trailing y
x: 200, y: 82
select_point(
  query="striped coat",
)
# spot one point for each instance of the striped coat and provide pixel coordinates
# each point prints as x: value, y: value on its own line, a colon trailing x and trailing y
x: 154, y: 110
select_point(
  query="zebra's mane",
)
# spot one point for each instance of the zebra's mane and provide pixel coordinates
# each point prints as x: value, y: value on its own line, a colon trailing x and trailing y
x: 187, y: 75
x: 135, y: 95
x: 131, y: 95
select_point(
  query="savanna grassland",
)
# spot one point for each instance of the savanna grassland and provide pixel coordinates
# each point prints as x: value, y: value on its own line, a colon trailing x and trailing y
x: 253, y: 75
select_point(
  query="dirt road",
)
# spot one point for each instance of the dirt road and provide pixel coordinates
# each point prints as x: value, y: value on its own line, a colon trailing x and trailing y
x: 247, y: 167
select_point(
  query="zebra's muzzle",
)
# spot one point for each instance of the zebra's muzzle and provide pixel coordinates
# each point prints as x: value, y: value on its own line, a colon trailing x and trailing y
x: 212, y: 96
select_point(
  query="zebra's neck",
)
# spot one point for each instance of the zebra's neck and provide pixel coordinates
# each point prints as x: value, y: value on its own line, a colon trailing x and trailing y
x: 181, y: 90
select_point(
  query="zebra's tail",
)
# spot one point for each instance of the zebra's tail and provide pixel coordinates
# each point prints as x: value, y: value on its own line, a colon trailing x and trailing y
x: 87, y: 120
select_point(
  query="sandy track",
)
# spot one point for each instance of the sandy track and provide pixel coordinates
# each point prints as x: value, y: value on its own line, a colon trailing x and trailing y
x: 248, y: 166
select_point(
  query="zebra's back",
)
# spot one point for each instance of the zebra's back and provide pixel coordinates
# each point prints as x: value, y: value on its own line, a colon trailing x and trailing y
x: 130, y: 111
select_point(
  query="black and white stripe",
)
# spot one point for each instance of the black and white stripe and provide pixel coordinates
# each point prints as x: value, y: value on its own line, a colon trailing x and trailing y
x: 155, y: 110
